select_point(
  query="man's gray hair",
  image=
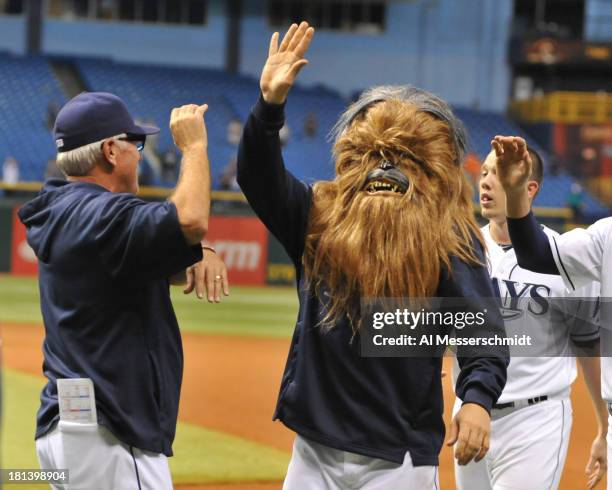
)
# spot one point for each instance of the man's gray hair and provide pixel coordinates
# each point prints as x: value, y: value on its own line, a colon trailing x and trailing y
x: 423, y: 100
x: 80, y: 161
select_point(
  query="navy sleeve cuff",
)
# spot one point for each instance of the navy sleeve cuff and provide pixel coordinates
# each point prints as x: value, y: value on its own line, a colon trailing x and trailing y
x: 270, y: 114
x: 531, y: 245
x: 523, y: 228
x: 474, y: 395
x: 191, y: 254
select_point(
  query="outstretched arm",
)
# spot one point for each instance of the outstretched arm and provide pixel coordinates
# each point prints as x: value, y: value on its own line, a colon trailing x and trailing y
x: 192, y: 194
x: 280, y: 200
x: 531, y: 244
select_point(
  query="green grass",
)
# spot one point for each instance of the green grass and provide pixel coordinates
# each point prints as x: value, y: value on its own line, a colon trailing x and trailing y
x: 201, y: 455
x: 19, y: 300
x: 20, y: 401
x: 248, y: 311
x: 206, y: 456
x: 265, y: 311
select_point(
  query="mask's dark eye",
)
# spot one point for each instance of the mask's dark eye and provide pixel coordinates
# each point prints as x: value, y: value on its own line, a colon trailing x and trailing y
x: 345, y: 165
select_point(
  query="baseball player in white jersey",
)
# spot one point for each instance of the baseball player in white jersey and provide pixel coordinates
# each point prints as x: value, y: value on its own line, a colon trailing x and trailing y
x: 532, y: 419
x: 579, y: 256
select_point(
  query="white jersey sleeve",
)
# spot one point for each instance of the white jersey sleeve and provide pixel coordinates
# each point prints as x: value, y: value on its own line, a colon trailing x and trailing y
x: 579, y: 254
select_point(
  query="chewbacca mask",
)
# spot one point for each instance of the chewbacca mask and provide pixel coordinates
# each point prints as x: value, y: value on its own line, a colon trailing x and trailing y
x: 399, y: 206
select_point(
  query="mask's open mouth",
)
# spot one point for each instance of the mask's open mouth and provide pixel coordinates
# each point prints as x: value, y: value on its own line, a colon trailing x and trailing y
x: 381, y: 185
x: 391, y: 180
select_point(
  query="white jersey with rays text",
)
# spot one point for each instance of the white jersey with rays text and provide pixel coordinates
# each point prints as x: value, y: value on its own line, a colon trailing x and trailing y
x: 584, y: 255
x: 531, y: 302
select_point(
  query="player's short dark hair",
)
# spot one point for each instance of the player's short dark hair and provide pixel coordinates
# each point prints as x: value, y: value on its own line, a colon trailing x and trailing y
x: 537, y: 168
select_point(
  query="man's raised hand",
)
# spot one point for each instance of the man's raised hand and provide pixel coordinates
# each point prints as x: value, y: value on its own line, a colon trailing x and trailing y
x: 285, y: 62
x: 187, y: 126
x: 513, y: 171
x: 513, y: 162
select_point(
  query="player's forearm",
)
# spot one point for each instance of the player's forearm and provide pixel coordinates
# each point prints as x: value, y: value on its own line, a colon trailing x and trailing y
x: 531, y: 245
x: 261, y: 169
x: 280, y: 200
x: 192, y: 194
x: 517, y: 203
x: 591, y: 370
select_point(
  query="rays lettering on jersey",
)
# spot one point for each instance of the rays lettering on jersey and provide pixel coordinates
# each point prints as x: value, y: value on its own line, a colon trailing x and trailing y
x: 518, y: 298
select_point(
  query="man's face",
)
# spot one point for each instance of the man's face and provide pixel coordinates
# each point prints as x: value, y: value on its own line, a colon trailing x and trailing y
x: 492, y: 195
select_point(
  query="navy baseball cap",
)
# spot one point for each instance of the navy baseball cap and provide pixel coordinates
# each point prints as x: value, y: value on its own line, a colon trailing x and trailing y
x: 94, y: 116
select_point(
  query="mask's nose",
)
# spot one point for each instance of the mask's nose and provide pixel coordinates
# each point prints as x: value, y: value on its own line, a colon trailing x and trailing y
x: 386, y: 165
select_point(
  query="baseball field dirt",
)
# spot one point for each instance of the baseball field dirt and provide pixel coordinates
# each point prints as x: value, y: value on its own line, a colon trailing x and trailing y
x: 231, y: 383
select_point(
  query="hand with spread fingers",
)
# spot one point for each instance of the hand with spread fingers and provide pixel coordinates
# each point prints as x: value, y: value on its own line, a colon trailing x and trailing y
x: 513, y: 167
x: 285, y: 62
x: 513, y: 162
x: 471, y: 430
x: 209, y: 274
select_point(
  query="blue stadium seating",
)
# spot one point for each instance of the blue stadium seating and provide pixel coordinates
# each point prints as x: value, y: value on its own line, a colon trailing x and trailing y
x: 151, y: 92
x: 28, y: 86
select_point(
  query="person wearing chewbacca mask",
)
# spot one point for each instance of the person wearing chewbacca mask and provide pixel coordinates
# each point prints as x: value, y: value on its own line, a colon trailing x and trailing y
x: 396, y: 222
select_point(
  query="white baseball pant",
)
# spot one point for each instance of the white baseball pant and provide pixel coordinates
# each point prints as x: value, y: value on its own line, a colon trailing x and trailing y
x: 527, y: 450
x: 314, y: 466
x: 96, y: 459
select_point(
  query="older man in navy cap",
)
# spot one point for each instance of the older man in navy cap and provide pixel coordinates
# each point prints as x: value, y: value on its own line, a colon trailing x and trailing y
x: 112, y: 349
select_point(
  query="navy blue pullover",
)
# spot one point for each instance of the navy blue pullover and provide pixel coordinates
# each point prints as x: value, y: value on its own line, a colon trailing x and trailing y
x: 104, y: 259
x: 377, y: 407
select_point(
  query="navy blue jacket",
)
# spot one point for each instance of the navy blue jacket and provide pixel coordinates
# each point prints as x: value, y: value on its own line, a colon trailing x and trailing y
x: 378, y: 407
x: 104, y: 259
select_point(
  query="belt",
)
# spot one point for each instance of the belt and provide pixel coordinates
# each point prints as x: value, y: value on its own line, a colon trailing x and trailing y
x: 529, y: 401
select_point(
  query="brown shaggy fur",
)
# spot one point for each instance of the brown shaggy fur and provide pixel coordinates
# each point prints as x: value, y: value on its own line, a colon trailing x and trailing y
x: 389, y: 246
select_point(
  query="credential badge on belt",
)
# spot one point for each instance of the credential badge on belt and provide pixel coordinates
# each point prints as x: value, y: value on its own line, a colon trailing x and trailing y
x: 77, y: 400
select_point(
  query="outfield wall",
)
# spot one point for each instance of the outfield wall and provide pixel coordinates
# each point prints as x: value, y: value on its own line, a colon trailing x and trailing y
x: 251, y: 254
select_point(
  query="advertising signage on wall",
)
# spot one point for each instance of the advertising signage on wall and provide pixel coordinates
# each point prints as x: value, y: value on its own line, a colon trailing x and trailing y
x: 280, y: 268
x: 242, y: 243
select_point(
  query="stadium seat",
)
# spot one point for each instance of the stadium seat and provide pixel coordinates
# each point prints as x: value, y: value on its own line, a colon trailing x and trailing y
x: 29, y: 86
